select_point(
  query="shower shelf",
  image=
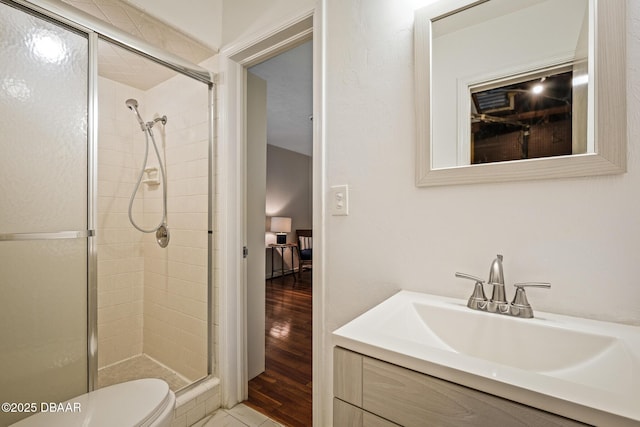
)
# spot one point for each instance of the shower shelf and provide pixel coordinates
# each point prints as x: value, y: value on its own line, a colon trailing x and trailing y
x: 152, y: 176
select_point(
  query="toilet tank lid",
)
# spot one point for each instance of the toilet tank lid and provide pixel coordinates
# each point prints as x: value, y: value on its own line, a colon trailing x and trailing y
x: 133, y: 403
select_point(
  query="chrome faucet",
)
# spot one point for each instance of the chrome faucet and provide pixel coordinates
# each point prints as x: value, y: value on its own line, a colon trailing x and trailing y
x: 496, y: 279
x: 519, y: 307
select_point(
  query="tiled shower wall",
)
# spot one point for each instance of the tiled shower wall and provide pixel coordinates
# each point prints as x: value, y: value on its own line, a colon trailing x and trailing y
x: 120, y: 254
x: 175, y: 278
x: 154, y: 300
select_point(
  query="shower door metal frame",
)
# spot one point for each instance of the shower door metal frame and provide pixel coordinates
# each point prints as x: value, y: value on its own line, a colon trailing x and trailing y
x: 95, y: 30
x: 92, y: 215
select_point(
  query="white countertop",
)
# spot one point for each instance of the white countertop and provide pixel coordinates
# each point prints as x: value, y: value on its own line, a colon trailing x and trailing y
x: 597, y: 384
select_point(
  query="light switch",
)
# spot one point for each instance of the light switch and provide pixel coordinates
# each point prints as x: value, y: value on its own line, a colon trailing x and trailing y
x: 339, y: 200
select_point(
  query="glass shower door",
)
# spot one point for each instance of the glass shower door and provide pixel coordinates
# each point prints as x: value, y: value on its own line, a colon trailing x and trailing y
x: 43, y: 211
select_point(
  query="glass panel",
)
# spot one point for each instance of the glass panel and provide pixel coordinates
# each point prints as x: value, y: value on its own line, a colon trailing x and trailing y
x: 43, y: 328
x: 152, y: 301
x: 43, y: 123
x: 43, y: 188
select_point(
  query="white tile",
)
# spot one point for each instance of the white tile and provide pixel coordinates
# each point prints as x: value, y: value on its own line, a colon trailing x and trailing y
x: 247, y: 415
x: 196, y: 414
x: 179, y: 421
x: 223, y: 419
x: 202, y: 422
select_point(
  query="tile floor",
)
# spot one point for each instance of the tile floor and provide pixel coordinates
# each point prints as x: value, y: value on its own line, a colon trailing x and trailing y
x: 238, y: 416
x: 139, y: 367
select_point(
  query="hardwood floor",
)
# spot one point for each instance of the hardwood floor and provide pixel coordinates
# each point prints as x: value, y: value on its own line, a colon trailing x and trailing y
x: 283, y: 392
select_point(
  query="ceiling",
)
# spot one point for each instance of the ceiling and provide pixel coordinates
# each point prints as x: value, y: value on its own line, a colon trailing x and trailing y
x: 123, y: 66
x: 520, y: 105
x: 289, y: 79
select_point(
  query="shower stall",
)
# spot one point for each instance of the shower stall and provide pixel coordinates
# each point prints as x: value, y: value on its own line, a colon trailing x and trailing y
x: 106, y: 214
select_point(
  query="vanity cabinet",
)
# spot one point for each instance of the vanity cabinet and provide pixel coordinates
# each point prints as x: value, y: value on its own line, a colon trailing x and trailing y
x: 372, y: 393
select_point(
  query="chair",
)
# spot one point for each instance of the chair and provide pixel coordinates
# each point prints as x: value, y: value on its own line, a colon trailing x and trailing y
x: 304, y: 240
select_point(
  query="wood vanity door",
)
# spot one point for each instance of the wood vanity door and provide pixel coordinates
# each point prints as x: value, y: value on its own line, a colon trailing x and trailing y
x: 347, y: 376
x: 413, y: 399
x: 346, y: 415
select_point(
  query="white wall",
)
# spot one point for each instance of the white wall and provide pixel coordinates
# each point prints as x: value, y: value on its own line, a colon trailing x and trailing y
x: 288, y: 194
x: 246, y: 18
x: 582, y: 235
x: 288, y: 188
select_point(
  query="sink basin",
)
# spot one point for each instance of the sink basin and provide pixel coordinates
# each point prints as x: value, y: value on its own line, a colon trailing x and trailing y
x: 538, y: 346
x: 580, y: 368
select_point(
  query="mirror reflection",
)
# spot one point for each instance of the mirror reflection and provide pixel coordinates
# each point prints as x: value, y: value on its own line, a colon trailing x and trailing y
x: 526, y: 119
x: 510, y: 82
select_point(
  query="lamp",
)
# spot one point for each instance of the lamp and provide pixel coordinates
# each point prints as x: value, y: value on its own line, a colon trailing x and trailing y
x: 281, y: 226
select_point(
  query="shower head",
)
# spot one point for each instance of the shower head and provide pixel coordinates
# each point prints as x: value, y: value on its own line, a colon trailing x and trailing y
x: 132, y: 104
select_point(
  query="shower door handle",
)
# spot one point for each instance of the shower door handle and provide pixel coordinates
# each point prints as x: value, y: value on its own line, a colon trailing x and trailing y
x: 9, y: 237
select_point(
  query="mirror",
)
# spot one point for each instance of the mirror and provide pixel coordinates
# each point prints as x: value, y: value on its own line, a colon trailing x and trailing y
x: 519, y: 90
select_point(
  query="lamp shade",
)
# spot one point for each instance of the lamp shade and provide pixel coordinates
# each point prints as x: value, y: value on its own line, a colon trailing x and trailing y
x: 280, y: 224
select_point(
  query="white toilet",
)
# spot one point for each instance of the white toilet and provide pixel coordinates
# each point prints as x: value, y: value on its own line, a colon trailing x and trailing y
x: 140, y: 403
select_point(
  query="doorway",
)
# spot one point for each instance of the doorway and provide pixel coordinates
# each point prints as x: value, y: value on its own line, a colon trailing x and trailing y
x: 230, y: 163
x: 279, y: 146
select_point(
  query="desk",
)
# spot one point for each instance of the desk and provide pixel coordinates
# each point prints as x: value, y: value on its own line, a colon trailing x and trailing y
x: 282, y: 248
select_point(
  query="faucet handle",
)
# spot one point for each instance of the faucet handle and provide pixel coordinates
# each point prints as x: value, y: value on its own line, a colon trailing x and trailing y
x: 478, y: 298
x: 532, y: 285
x: 520, y: 301
x: 469, y: 276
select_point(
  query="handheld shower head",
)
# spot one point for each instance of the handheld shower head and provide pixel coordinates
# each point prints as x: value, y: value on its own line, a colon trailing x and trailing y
x: 132, y: 104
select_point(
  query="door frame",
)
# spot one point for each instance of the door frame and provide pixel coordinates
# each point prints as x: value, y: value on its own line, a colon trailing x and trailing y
x: 230, y: 159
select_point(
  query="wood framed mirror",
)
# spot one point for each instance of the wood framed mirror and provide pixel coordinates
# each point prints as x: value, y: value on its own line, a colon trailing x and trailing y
x: 478, y: 65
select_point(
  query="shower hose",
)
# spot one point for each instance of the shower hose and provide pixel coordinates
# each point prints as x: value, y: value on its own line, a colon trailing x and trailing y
x: 163, y: 222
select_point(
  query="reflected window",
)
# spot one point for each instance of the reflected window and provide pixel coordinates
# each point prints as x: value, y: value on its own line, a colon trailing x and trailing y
x: 525, y: 117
